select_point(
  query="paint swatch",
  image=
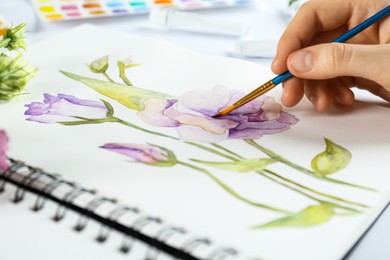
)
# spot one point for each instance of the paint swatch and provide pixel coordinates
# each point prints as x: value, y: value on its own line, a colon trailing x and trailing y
x: 56, y: 10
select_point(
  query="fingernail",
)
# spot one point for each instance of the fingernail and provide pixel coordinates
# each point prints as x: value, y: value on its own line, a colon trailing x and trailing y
x: 302, y: 61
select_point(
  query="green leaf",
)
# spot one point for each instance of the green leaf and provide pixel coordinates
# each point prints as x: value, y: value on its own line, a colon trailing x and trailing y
x: 131, y: 97
x: 333, y: 159
x: 240, y: 166
x: 110, y: 109
x: 310, y: 216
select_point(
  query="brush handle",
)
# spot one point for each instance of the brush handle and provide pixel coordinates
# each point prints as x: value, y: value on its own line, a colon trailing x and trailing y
x: 345, y: 37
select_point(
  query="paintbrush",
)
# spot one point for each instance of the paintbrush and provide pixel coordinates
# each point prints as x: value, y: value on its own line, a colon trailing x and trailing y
x: 286, y: 75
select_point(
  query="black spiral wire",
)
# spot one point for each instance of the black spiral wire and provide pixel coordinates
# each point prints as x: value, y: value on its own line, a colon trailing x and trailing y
x: 24, y: 177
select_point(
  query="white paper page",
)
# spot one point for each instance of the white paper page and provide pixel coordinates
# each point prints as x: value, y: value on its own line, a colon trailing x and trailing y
x: 26, y: 234
x: 190, y: 198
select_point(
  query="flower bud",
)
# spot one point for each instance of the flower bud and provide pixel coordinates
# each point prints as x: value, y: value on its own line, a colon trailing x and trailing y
x: 144, y: 153
x: 126, y: 63
x: 14, y: 38
x: 14, y: 75
x: 99, y: 65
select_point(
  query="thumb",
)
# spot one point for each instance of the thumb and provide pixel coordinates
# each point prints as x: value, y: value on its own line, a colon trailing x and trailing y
x: 332, y: 60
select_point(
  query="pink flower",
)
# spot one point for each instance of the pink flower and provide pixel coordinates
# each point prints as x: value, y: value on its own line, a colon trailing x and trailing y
x: 143, y: 153
x: 191, y: 115
x: 3, y: 150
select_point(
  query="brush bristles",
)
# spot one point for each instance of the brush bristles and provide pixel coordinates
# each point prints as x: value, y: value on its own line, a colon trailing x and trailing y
x: 223, y: 111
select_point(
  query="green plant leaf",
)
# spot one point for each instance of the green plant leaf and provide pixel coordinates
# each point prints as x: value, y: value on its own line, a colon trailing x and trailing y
x: 131, y: 97
x: 243, y: 166
x: 310, y: 216
x: 333, y: 159
x: 110, y: 109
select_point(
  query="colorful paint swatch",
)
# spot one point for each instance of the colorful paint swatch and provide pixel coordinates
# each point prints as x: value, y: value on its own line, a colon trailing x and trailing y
x: 57, y: 10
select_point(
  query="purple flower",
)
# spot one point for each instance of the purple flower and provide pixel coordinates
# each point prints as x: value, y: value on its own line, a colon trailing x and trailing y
x: 64, y: 108
x: 149, y: 154
x: 3, y: 151
x: 191, y: 115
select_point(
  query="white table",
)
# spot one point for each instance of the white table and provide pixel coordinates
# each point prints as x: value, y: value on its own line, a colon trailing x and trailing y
x: 268, y: 18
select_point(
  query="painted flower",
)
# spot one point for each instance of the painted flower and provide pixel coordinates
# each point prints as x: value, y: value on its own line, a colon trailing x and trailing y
x: 148, y: 154
x: 3, y: 151
x: 64, y: 108
x: 191, y: 115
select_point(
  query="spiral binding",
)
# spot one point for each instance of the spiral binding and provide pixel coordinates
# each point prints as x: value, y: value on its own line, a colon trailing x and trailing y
x: 43, y: 184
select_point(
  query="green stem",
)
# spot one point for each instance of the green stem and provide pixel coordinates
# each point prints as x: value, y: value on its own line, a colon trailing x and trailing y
x: 218, y: 181
x: 308, y: 189
x: 228, y: 151
x: 108, y: 77
x: 310, y: 196
x: 122, y: 75
x: 298, y: 185
x: 123, y: 122
x: 228, y: 156
x: 231, y: 191
x: 315, y: 191
x: 211, y: 150
x: 281, y: 159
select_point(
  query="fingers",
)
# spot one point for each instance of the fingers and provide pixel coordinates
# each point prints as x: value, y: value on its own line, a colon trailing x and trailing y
x: 374, y: 88
x: 322, y: 94
x: 333, y: 60
x: 293, y: 90
x: 313, y: 17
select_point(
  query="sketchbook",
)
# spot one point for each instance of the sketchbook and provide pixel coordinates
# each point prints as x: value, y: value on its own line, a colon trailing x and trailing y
x: 114, y: 152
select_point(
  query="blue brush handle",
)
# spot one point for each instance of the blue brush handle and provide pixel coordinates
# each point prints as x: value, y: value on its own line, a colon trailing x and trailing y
x: 345, y: 37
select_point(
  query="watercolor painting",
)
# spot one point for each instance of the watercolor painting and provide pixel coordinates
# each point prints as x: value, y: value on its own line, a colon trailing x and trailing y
x: 191, y: 116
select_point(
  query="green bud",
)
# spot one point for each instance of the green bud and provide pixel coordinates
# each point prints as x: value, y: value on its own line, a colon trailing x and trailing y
x: 99, y: 65
x: 333, y: 159
x: 122, y: 66
x: 126, y: 63
x: 15, y: 72
x: 14, y: 38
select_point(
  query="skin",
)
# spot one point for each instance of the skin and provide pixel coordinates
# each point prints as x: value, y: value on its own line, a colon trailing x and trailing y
x: 325, y: 72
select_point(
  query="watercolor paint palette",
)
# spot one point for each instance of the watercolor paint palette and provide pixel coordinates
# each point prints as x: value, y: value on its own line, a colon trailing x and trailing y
x: 56, y: 10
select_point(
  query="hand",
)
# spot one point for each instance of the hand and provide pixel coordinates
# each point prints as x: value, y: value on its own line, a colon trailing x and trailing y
x: 326, y: 72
